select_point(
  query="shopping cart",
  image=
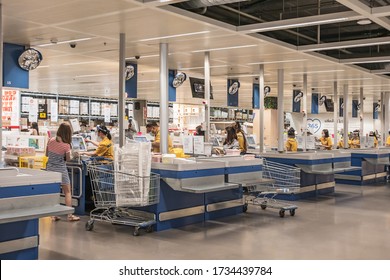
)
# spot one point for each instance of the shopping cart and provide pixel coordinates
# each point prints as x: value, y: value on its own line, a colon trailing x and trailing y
x: 114, y: 192
x: 283, y: 179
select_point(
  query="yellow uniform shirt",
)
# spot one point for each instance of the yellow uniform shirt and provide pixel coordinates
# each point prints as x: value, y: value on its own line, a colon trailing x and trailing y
x: 355, y: 144
x: 157, y: 140
x: 388, y: 141
x: 105, y: 149
x: 291, y: 145
x: 241, y: 141
x: 327, y: 142
x: 340, y: 144
x: 375, y: 142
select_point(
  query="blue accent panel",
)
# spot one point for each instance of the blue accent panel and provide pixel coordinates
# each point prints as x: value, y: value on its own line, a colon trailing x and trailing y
x: 232, y: 99
x: 375, y: 113
x: 77, y: 189
x: 355, y: 104
x: 27, y: 254
x: 131, y: 85
x: 341, y: 110
x: 243, y: 169
x: 171, y: 88
x: 326, y: 191
x: 17, y: 230
x: 7, y: 192
x: 180, y: 222
x: 362, y: 156
x: 13, y: 75
x: 189, y: 173
x: 256, y: 97
x: 314, y: 103
x: 219, y: 196
x: 344, y: 159
x: 296, y: 106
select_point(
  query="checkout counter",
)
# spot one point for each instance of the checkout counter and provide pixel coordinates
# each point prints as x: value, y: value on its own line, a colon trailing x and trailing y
x: 25, y: 196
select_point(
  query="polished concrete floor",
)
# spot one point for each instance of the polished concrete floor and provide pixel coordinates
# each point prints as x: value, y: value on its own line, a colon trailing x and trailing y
x: 344, y: 225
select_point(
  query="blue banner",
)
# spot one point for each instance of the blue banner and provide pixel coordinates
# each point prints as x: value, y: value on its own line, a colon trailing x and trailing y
x: 341, y: 107
x: 255, y: 97
x: 232, y: 93
x: 355, y: 105
x: 131, y: 84
x: 296, y: 102
x: 375, y: 111
x: 314, y: 103
x: 13, y: 75
x: 171, y: 88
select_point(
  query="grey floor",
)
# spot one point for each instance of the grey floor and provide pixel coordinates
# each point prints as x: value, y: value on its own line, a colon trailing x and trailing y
x: 344, y: 225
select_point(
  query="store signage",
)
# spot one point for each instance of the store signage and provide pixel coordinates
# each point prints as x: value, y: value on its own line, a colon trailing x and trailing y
x: 10, y: 108
x: 313, y: 125
x: 33, y: 113
x: 131, y: 84
x: 296, y: 104
x: 314, y: 103
x: 232, y: 92
x: 341, y: 107
x: 172, y: 87
x: 42, y: 110
x: 54, y: 111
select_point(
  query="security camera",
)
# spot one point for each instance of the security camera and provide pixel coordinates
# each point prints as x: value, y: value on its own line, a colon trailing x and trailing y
x: 137, y: 57
x: 72, y: 44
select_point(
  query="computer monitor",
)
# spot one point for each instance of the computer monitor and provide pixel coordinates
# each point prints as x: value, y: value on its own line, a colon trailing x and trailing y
x: 251, y: 141
x: 216, y: 142
x: 141, y: 139
x: 78, y: 143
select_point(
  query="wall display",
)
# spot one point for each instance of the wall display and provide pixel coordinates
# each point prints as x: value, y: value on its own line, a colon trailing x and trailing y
x: 54, y: 111
x: 10, y: 108
x: 33, y: 113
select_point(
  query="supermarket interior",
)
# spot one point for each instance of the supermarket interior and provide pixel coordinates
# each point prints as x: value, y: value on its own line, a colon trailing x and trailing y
x: 195, y: 129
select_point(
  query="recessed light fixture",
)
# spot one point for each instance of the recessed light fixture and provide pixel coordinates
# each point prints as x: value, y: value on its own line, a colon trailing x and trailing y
x: 173, y: 36
x: 280, y: 61
x: 225, y: 48
x: 364, y: 21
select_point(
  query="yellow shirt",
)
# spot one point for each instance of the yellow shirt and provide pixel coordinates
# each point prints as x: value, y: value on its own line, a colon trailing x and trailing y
x: 375, y: 142
x: 327, y: 142
x: 388, y: 141
x: 340, y: 144
x: 355, y: 144
x: 291, y: 145
x: 241, y: 141
x: 157, y: 140
x: 105, y: 149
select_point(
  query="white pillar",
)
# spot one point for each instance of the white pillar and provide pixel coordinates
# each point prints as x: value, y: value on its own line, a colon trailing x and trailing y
x: 304, y: 109
x: 280, y: 110
x: 382, y: 116
x: 361, y: 112
x: 335, y: 114
x: 387, y: 117
x: 207, y: 93
x: 121, y: 98
x: 164, y: 98
x: 261, y: 109
x: 1, y: 78
x: 345, y: 116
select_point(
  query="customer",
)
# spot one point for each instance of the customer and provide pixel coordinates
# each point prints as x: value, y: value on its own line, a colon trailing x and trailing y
x: 326, y: 141
x: 199, y: 131
x: 149, y: 128
x: 388, y: 140
x: 34, y: 130
x: 105, y: 147
x: 130, y: 131
x: 231, y: 141
x: 373, y: 134
x: 58, y: 150
x: 157, y: 138
x: 241, y: 138
x: 291, y: 143
x: 355, y: 141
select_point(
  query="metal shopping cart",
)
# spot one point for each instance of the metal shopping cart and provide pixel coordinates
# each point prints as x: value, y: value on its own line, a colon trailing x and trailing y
x: 115, y: 191
x: 283, y: 180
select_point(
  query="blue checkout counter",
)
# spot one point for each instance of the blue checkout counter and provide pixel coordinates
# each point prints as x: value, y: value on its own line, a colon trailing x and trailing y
x: 25, y: 196
x: 193, y: 191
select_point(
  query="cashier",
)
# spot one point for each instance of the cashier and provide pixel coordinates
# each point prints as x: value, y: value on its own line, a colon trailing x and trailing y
x: 155, y: 130
x: 373, y: 134
x: 291, y: 143
x: 355, y: 141
x: 105, y: 148
x: 326, y: 141
x: 388, y: 140
x: 340, y: 144
x: 241, y: 138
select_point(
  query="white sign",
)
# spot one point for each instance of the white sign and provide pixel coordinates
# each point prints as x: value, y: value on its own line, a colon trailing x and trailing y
x: 310, y: 142
x: 33, y: 113
x: 10, y: 108
x: 54, y: 111
x: 370, y: 142
x: 107, y: 113
x: 188, y: 144
x: 198, y: 145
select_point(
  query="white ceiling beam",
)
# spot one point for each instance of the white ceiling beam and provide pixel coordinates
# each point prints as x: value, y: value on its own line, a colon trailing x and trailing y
x: 383, y: 11
x: 365, y: 60
x: 345, y: 44
x: 365, y: 11
x: 380, y: 71
x: 299, y: 22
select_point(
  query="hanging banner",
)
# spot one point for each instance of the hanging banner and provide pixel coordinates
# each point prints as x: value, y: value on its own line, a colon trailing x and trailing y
x: 255, y: 96
x: 341, y: 107
x: 314, y: 103
x: 131, y: 76
x: 355, y: 105
x: 54, y: 111
x: 13, y: 75
x: 375, y: 111
x: 107, y: 113
x: 10, y: 108
x: 33, y: 113
x: 232, y: 92
x: 296, y: 104
x: 171, y: 88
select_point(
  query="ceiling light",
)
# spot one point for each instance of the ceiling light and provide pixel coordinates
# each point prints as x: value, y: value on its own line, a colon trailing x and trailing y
x: 201, y: 67
x: 148, y: 81
x: 351, y: 79
x: 246, y: 75
x: 280, y: 61
x: 78, y: 63
x: 365, y: 60
x: 300, y: 24
x: 64, y: 42
x: 225, y: 48
x: 364, y: 22
x: 92, y: 75
x: 319, y: 71
x: 173, y: 36
x: 346, y: 44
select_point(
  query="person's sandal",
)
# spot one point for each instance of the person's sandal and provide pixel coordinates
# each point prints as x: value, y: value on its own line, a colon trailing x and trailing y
x: 73, y: 218
x: 55, y: 218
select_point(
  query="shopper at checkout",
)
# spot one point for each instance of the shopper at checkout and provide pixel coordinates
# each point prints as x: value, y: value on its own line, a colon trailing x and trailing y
x: 155, y: 130
x: 326, y: 141
x: 291, y: 143
x: 34, y: 130
x: 105, y: 148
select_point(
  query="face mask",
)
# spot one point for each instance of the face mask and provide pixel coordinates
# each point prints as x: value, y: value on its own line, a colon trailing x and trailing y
x: 323, y: 134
